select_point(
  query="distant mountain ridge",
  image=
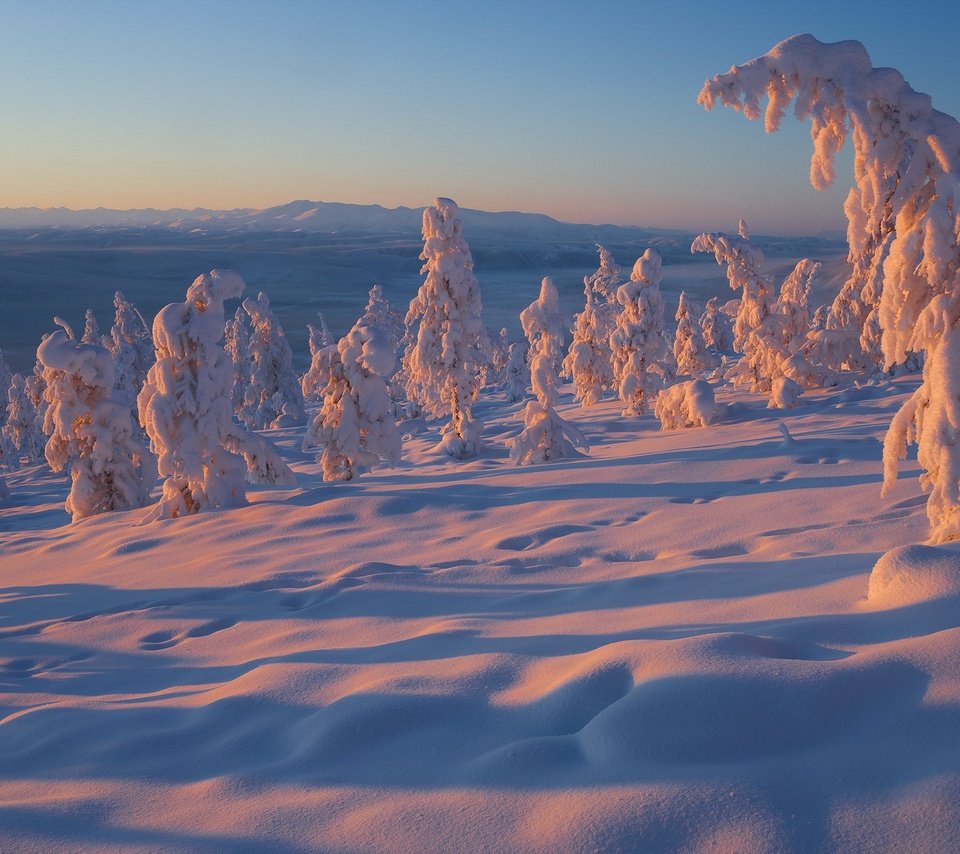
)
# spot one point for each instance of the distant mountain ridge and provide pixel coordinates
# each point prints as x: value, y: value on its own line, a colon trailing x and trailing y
x: 501, y: 238
x: 300, y: 215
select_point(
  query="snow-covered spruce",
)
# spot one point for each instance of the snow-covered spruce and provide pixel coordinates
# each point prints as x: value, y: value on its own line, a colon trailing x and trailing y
x: 589, y: 361
x: 494, y: 372
x: 236, y: 344
x: 902, y: 226
x: 91, y: 329
x: 545, y: 435
x: 379, y: 313
x: 6, y: 376
x: 21, y: 429
x: 607, y: 278
x: 716, y: 326
x: 689, y: 348
x: 90, y: 432
x: 131, y: 346
x: 9, y: 456
x: 355, y: 424
x: 186, y: 410
x: 442, y: 359
x: 518, y: 373
x: 34, y: 385
x: 793, y: 301
x: 758, y: 330
x: 273, y: 397
x: 687, y: 404
x: 318, y: 337
x: 641, y: 354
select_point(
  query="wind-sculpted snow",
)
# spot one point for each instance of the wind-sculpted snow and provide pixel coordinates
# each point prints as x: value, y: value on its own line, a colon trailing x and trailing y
x: 689, y: 641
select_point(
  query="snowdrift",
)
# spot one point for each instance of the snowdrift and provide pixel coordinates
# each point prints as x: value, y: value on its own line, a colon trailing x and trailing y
x: 696, y: 640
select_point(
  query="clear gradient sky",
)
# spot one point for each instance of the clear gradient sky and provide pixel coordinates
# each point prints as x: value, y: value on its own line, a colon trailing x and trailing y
x: 582, y: 110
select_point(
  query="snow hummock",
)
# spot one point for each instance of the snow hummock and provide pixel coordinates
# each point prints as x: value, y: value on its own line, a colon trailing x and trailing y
x: 915, y: 573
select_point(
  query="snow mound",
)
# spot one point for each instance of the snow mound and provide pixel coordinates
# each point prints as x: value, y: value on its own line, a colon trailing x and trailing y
x: 911, y: 574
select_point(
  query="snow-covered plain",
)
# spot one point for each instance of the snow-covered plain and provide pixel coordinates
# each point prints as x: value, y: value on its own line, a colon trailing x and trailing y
x: 678, y: 642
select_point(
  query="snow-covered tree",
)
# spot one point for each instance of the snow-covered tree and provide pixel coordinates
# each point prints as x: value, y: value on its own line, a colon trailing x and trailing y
x: 21, y: 428
x: 689, y: 348
x: 716, y: 326
x: 641, y: 354
x: 273, y: 397
x: 784, y: 393
x: 380, y: 314
x: 606, y: 279
x: 355, y: 425
x: 91, y: 329
x: 518, y: 374
x: 6, y: 376
x: 589, y: 361
x: 90, y: 432
x: 758, y: 331
x: 186, y: 410
x: 318, y: 337
x: 236, y: 344
x: 442, y: 359
x: 131, y: 346
x: 9, y: 455
x: 686, y: 404
x: 903, y: 227
x: 34, y: 385
x: 545, y: 435
x: 494, y: 372
x: 794, y: 298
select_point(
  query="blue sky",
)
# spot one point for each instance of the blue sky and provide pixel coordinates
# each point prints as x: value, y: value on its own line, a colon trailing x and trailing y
x: 585, y: 111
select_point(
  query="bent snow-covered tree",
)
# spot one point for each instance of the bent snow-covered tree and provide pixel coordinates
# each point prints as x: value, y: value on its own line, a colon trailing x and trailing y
x: 903, y: 229
x: 90, y: 432
x: 641, y: 354
x: 355, y: 425
x: 545, y: 435
x: 273, y: 397
x: 441, y: 362
x: 186, y: 410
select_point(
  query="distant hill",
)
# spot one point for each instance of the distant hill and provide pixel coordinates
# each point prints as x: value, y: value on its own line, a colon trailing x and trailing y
x: 502, y: 238
x: 304, y: 216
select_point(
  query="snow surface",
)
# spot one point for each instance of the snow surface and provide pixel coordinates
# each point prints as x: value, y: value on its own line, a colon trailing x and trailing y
x: 678, y: 643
